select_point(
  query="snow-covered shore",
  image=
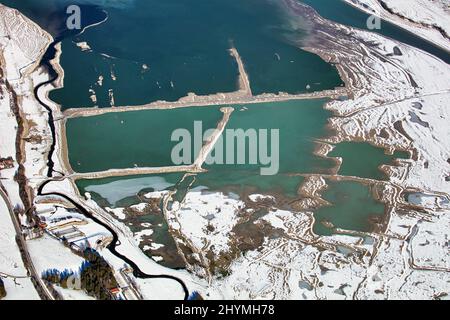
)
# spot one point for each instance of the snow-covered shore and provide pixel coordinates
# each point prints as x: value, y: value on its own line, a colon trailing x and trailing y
x: 430, y: 13
x: 428, y: 19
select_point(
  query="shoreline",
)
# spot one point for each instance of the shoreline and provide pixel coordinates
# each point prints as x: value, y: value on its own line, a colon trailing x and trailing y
x: 403, y: 23
x: 205, y: 101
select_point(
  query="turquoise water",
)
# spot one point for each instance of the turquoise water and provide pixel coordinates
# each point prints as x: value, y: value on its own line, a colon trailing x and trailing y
x: 184, y: 46
x: 352, y: 207
x: 130, y: 139
x: 363, y: 160
x: 125, y: 192
x: 299, y: 123
x: 143, y: 138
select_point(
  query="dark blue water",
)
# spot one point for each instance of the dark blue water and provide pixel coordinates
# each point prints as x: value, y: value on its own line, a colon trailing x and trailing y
x: 185, y: 46
x: 341, y: 12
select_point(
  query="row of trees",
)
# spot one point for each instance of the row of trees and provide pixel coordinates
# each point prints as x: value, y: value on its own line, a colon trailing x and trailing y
x: 65, y: 279
x: 97, y: 277
x: 94, y: 276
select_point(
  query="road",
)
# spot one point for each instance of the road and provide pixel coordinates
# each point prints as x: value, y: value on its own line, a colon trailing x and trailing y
x: 28, y: 262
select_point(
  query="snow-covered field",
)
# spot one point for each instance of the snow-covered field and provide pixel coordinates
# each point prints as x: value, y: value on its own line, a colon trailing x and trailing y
x: 18, y: 55
x: 22, y: 44
x: 12, y: 270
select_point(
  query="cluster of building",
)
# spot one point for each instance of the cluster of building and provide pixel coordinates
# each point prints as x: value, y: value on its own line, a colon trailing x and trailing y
x: 72, y: 228
x: 127, y: 288
x: 79, y: 233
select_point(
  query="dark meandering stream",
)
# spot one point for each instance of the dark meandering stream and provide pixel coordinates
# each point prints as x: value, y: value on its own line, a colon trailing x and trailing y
x: 137, y: 272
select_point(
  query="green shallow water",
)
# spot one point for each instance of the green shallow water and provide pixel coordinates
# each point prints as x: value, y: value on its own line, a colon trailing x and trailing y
x: 352, y: 203
x: 184, y: 44
x: 299, y: 123
x: 129, y: 139
x: 143, y: 138
x: 363, y: 160
x: 352, y: 206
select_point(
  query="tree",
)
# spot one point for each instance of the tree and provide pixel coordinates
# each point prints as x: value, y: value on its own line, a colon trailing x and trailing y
x: 96, y: 276
x: 195, y: 296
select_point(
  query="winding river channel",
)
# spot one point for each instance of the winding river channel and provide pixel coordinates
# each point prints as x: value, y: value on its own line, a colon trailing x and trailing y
x: 137, y: 272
